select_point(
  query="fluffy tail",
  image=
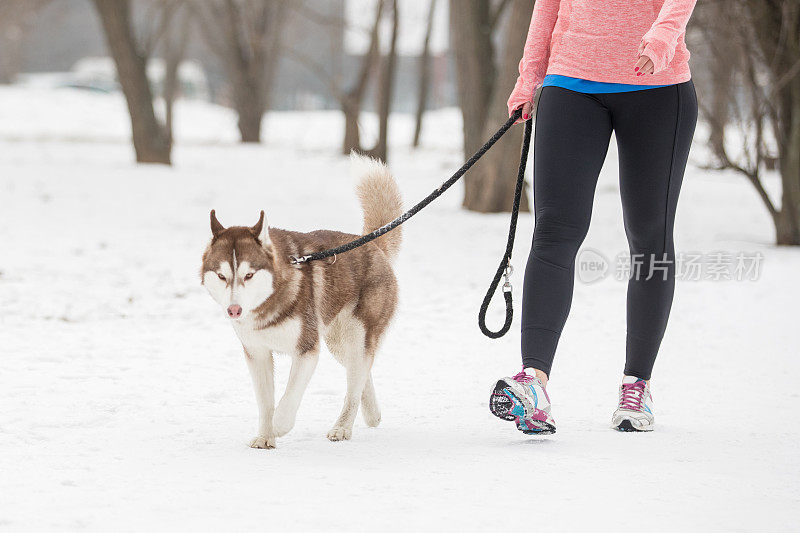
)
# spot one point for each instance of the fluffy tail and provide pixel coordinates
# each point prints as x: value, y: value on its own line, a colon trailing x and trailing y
x: 380, y: 200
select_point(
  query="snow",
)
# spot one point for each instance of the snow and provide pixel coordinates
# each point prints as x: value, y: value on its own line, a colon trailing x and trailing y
x: 126, y: 403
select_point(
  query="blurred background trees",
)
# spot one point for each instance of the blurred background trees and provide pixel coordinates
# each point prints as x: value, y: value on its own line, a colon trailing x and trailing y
x: 372, y: 60
x: 371, y: 65
x: 750, y: 97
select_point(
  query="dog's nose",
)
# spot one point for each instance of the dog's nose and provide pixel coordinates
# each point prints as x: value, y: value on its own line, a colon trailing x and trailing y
x: 234, y: 311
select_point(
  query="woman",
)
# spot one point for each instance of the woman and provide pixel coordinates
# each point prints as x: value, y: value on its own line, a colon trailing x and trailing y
x: 605, y: 65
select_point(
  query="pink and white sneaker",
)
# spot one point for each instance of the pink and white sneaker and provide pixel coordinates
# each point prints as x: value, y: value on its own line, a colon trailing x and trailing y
x: 635, y: 409
x: 523, y: 400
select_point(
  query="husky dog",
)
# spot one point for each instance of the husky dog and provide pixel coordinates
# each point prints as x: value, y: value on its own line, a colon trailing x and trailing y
x: 275, y: 306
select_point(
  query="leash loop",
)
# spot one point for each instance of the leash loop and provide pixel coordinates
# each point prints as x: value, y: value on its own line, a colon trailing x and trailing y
x: 505, y: 269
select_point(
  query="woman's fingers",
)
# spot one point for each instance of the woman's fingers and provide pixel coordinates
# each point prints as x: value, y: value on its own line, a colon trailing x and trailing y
x: 643, y: 66
x: 526, y: 111
x: 637, y: 68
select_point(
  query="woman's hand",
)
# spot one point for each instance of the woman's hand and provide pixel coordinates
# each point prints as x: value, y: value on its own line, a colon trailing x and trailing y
x: 526, y: 113
x: 645, y: 65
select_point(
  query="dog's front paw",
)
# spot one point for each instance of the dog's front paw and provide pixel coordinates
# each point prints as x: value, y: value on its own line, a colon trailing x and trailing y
x: 339, y: 433
x: 282, y: 422
x: 266, y: 443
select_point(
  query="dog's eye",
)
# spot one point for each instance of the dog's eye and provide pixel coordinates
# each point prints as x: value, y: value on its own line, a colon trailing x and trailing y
x: 220, y: 276
x: 248, y: 275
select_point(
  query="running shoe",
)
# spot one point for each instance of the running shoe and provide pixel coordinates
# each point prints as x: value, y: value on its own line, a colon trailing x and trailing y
x: 635, y: 409
x: 523, y: 400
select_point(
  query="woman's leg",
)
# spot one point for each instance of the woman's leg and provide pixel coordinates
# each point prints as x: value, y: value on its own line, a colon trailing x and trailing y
x: 570, y: 144
x: 654, y: 130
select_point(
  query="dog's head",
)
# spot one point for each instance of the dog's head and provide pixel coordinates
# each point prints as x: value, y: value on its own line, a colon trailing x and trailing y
x: 238, y: 266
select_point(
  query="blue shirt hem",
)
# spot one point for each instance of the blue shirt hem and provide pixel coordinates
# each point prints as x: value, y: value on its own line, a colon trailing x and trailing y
x: 593, y: 87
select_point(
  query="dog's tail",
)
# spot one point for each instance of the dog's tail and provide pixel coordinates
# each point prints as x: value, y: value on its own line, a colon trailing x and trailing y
x: 380, y: 200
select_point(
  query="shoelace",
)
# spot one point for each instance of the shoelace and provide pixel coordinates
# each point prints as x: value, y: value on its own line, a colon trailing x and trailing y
x: 632, y: 395
x: 522, y: 377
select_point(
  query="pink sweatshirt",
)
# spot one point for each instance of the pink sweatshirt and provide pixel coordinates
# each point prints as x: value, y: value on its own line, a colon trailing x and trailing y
x: 601, y: 40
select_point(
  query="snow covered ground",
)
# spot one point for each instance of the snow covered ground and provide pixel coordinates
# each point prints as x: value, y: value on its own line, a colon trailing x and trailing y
x: 125, y: 403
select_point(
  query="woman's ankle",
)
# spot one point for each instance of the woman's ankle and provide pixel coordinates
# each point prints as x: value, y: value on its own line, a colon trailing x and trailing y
x: 538, y: 373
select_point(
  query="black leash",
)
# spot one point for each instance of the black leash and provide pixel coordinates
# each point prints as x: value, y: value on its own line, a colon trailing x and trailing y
x: 504, y: 270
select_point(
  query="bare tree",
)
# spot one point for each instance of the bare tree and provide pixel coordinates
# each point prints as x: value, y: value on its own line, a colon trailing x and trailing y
x: 767, y: 111
x: 351, y: 100
x: 171, y: 37
x: 719, y: 48
x: 485, y: 79
x: 424, y: 74
x: 151, y: 140
x: 386, y: 89
x: 246, y: 37
x: 471, y: 28
x: 489, y: 188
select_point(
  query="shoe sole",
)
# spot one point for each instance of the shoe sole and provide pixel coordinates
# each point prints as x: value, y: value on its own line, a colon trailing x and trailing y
x: 547, y: 429
x: 500, y: 405
x: 626, y: 426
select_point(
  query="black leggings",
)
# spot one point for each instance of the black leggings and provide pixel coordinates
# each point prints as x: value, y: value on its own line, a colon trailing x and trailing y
x: 654, y: 130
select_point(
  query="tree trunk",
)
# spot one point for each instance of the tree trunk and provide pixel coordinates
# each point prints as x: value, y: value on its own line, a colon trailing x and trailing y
x: 471, y: 41
x: 787, y: 222
x: 249, y: 106
x: 490, y: 184
x: 424, y: 75
x: 723, y: 54
x: 10, y: 58
x: 352, y: 135
x: 174, y: 51
x: 351, y: 100
x: 771, y: 23
x: 247, y: 40
x: 150, y: 140
x: 385, y: 90
x: 171, y: 85
x: 245, y: 73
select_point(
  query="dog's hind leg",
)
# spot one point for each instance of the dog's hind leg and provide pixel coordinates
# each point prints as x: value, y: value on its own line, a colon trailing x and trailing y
x: 358, y: 366
x: 260, y: 364
x: 369, y: 404
x: 303, y: 366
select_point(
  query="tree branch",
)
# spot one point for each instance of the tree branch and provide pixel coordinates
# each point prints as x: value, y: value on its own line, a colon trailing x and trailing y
x: 752, y: 176
x: 369, y: 58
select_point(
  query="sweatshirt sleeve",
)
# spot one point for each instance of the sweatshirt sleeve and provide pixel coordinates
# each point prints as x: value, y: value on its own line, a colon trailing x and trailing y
x: 533, y: 66
x: 660, y: 42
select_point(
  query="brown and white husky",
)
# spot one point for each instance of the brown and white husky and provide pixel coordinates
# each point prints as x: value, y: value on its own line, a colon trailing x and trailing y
x: 277, y: 307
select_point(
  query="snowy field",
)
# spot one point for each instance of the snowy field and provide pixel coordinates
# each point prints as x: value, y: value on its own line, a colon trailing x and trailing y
x: 126, y: 405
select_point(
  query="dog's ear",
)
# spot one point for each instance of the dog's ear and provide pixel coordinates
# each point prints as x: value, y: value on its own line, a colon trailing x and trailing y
x: 216, y: 227
x: 261, y: 231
